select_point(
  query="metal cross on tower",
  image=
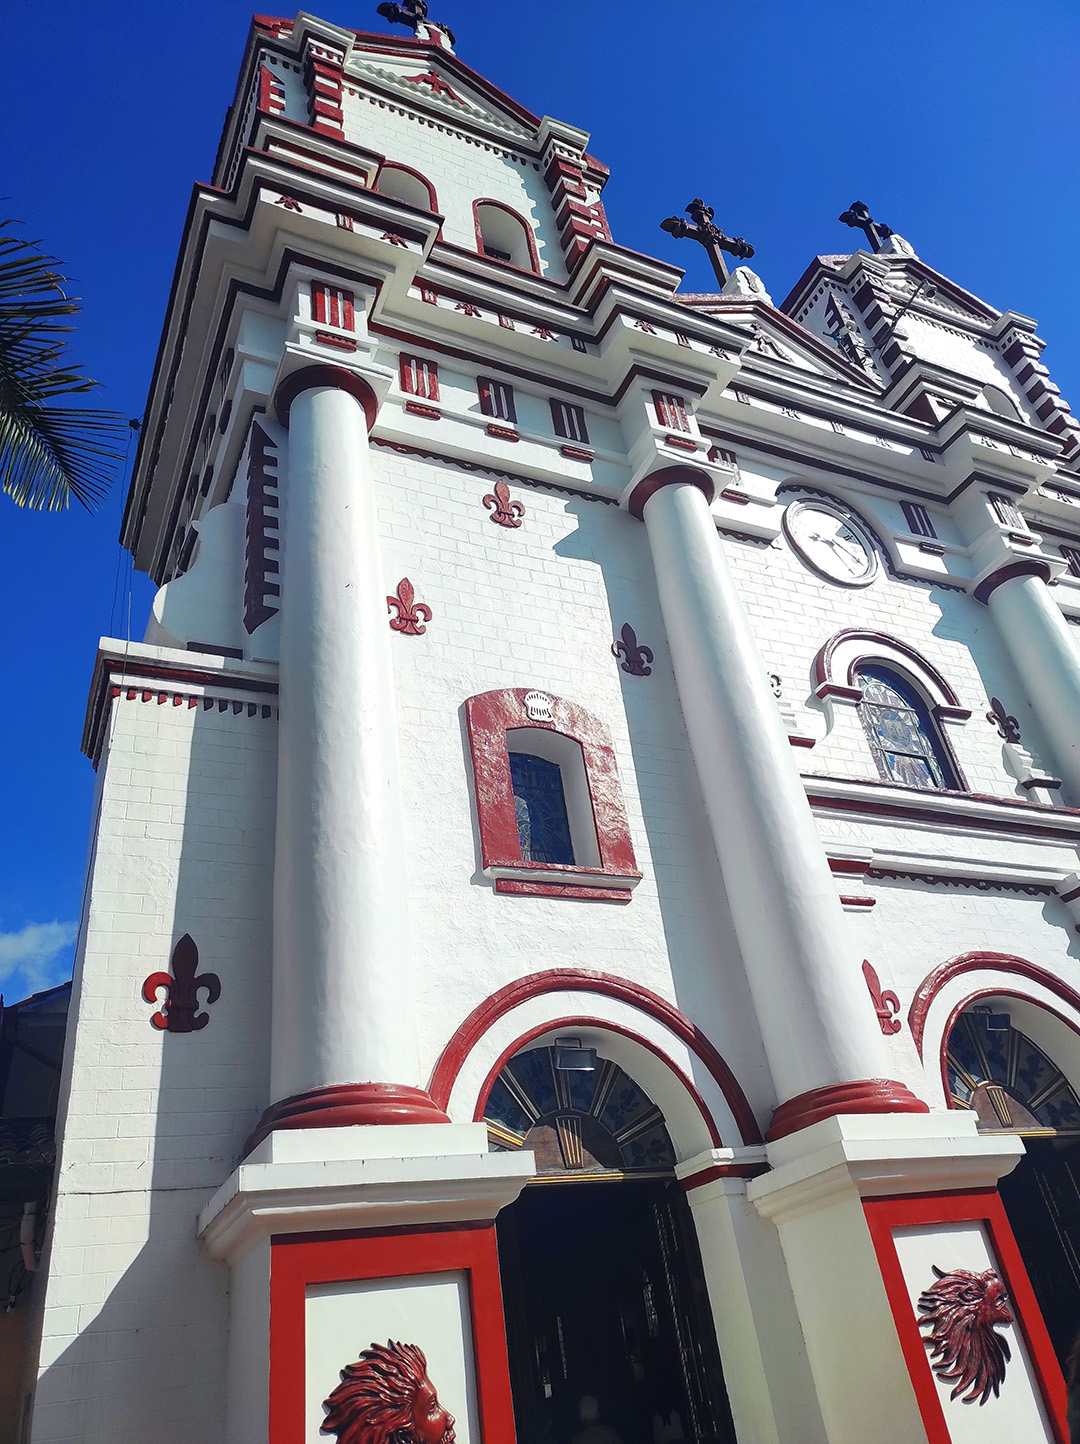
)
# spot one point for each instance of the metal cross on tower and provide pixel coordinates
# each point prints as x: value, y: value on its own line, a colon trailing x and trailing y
x: 876, y: 232
x: 412, y: 13
x: 709, y: 235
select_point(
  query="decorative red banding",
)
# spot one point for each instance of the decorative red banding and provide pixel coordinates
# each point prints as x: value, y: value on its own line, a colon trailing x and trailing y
x: 558, y: 889
x: 578, y: 980
x: 933, y: 983
x: 1023, y: 567
x: 348, y: 1104
x: 668, y: 476
x: 420, y: 408
x: 866, y: 1095
x: 722, y: 1170
x: 308, y: 378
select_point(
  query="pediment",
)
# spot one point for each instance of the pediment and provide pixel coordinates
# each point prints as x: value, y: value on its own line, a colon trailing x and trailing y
x: 422, y: 79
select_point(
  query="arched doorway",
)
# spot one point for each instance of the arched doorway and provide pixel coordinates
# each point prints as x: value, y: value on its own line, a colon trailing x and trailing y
x: 1013, y: 1086
x: 602, y: 1281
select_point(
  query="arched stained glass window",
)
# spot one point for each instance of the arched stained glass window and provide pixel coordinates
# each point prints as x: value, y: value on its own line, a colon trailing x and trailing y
x: 540, y: 806
x: 902, y: 733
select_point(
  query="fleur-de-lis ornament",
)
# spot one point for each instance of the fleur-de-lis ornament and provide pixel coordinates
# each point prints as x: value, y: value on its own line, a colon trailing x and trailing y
x: 636, y: 659
x: 411, y: 614
x: 886, y: 1004
x: 507, y: 512
x: 1008, y: 727
x: 180, y: 1011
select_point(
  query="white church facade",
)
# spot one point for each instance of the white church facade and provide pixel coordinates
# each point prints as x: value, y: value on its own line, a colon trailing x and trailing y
x: 582, y: 923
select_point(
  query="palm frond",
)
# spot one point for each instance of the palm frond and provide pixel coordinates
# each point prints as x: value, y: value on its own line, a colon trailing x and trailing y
x: 49, y: 453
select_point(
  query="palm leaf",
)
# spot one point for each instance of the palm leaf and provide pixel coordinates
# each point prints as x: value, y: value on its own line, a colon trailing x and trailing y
x: 49, y: 452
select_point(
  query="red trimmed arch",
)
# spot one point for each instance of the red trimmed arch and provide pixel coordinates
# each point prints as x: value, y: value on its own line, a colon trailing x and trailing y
x: 933, y: 983
x: 530, y: 239
x: 580, y: 980
x: 416, y: 175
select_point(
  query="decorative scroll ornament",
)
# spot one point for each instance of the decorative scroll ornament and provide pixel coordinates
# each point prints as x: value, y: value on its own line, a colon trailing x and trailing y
x: 962, y: 1310
x: 636, y: 659
x: 1008, y: 727
x: 386, y: 1397
x: 411, y: 614
x: 507, y: 512
x: 886, y: 1004
x: 180, y: 1010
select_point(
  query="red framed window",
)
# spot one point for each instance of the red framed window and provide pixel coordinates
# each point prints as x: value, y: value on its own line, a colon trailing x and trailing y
x: 918, y: 519
x: 670, y: 411
x: 331, y: 306
x: 496, y: 399
x: 569, y: 421
x: 420, y: 377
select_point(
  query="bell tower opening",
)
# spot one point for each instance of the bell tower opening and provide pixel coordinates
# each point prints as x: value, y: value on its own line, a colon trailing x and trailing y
x: 609, y: 1332
x: 1015, y: 1087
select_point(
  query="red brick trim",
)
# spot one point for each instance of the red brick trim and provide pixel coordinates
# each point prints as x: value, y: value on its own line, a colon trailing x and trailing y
x: 668, y: 476
x: 308, y: 378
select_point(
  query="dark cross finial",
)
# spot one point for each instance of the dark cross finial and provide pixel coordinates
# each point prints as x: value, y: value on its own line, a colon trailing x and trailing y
x: 412, y: 13
x: 705, y: 231
x: 876, y: 232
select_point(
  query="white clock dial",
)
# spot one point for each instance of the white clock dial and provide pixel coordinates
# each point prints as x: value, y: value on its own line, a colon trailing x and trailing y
x: 831, y: 544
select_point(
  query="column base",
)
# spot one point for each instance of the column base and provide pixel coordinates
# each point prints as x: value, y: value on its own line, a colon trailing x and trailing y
x: 866, y: 1095
x: 347, y: 1105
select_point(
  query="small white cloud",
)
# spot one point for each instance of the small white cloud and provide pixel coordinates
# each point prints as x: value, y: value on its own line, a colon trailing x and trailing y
x: 30, y: 958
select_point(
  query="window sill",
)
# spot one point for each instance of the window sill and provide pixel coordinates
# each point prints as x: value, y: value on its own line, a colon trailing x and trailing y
x: 558, y: 880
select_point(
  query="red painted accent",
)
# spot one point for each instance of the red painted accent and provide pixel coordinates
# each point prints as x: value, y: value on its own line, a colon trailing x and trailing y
x: 730, y: 494
x: 180, y: 1011
x: 668, y: 476
x: 864, y: 1095
x: 489, y: 717
x: 553, y: 1025
x: 576, y: 980
x: 575, y: 453
x: 419, y: 377
x: 684, y: 443
x: 504, y: 433
x: 411, y: 614
x: 933, y: 983
x: 310, y: 378
x: 530, y: 239
x: 722, y: 1170
x: 395, y: 239
x: 1025, y: 567
x: 563, y: 889
x: 296, y: 1262
x: 504, y: 512
x: 886, y: 1004
x: 348, y: 1104
x: 342, y: 343
x: 417, y: 175
x: 823, y: 665
x: 883, y: 1215
x: 859, y: 900
x: 419, y: 408
x: 848, y: 865
x: 438, y: 85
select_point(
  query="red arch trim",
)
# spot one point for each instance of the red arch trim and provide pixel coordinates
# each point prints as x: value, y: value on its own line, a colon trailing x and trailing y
x: 586, y: 1022
x: 580, y: 980
x: 824, y: 660
x: 933, y: 983
x: 530, y: 239
x: 417, y: 175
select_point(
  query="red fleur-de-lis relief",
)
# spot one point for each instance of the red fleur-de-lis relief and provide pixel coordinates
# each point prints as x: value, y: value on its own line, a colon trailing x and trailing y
x: 411, y: 614
x: 180, y: 1010
x: 288, y: 203
x: 507, y: 512
x: 635, y: 658
x: 395, y: 239
x: 886, y: 1004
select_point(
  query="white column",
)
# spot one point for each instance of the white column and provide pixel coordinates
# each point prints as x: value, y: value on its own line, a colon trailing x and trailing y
x: 1047, y: 657
x: 342, y: 996
x: 815, y: 1014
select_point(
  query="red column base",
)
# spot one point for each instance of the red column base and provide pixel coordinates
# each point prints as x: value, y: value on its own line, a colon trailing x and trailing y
x: 348, y: 1104
x: 867, y: 1095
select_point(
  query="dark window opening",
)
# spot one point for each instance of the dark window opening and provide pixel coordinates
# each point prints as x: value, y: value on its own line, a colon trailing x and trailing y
x: 918, y: 519
x: 496, y: 399
x: 540, y: 806
x: 569, y: 421
x: 496, y: 254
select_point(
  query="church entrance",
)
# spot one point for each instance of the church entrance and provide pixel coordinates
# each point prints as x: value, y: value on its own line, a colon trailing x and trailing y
x: 608, y: 1325
x: 1014, y: 1087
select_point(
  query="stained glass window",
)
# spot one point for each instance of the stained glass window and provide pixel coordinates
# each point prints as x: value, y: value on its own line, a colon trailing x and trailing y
x: 901, y: 731
x: 540, y: 805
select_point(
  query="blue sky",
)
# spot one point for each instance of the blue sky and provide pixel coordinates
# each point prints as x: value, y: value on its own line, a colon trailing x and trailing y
x: 957, y: 122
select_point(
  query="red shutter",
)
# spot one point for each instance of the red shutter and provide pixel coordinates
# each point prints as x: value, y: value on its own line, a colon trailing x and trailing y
x: 318, y: 301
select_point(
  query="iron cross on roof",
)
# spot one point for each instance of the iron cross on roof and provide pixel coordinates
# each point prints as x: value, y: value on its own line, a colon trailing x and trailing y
x: 412, y: 13
x: 709, y: 235
x: 876, y: 232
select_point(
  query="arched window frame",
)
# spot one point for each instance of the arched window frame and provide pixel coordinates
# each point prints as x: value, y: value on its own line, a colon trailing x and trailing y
x: 605, y: 867
x: 530, y: 238
x: 391, y: 165
x: 835, y: 673
x: 940, y: 753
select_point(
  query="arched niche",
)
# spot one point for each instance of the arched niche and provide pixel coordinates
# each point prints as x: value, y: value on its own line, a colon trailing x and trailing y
x: 402, y: 183
x: 504, y: 235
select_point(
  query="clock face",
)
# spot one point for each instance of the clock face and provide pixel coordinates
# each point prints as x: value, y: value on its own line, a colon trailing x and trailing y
x: 832, y: 545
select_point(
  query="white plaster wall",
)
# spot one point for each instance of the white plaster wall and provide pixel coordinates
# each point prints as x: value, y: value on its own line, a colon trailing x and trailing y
x: 135, y: 1315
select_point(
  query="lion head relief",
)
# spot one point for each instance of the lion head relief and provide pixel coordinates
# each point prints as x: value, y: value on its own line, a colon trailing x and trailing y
x: 386, y: 1397
x: 962, y: 1310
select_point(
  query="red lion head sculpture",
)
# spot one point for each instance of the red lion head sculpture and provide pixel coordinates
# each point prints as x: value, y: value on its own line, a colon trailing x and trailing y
x: 386, y: 1397
x: 962, y: 1310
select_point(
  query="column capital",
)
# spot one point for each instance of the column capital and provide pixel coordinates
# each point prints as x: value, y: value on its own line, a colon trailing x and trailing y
x: 346, y: 1105
x: 307, y: 378
x: 1017, y: 567
x: 649, y: 485
x: 864, y: 1095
